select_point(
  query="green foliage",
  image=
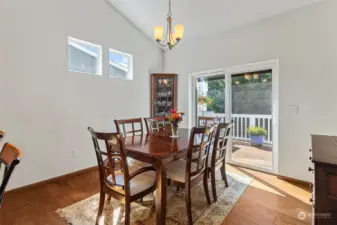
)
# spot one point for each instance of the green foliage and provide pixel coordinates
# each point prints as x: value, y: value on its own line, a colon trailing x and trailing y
x: 257, y: 131
x: 216, y: 91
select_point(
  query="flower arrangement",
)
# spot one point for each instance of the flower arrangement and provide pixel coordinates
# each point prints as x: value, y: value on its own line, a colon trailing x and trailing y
x: 174, y: 117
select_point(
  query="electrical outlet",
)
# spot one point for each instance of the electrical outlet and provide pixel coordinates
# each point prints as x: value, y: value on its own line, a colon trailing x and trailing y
x: 74, y: 153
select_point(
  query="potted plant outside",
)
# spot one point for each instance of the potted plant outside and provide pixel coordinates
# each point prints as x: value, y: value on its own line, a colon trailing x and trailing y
x: 257, y: 135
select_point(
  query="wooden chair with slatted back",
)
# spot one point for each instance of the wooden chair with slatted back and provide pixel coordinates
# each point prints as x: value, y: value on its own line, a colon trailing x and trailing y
x: 217, y: 156
x: 10, y: 157
x: 186, y: 173
x: 154, y: 124
x: 128, y: 127
x: 204, y: 121
x: 2, y: 134
x: 125, y: 184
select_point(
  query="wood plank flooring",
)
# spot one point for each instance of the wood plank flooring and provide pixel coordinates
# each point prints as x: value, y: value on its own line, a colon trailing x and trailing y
x: 267, y: 201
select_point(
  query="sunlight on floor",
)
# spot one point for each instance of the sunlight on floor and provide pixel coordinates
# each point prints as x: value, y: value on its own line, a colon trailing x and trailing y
x: 274, y: 185
x: 264, y: 187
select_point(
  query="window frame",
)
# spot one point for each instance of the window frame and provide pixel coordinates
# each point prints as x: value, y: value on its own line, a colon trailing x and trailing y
x: 129, y: 75
x: 99, y: 68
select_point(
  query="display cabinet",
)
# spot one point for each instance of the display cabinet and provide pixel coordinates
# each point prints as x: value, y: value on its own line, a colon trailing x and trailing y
x: 163, y: 93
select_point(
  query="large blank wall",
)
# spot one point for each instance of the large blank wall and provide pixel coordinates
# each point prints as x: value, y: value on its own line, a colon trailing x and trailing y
x: 45, y: 110
x: 305, y: 42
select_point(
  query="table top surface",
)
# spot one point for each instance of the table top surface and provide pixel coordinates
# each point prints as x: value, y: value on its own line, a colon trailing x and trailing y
x: 159, y: 144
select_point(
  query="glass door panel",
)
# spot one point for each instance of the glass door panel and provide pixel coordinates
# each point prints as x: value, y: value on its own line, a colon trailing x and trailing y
x: 210, y: 96
x: 251, y: 104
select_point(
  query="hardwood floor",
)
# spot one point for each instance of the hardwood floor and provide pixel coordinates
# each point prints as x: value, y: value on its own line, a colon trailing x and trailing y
x: 266, y: 201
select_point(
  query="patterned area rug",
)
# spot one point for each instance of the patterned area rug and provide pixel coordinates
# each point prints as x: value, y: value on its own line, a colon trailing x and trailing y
x: 84, y: 212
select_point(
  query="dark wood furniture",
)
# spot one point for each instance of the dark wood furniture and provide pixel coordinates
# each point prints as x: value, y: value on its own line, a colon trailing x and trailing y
x: 154, y: 124
x: 217, y: 157
x: 10, y: 157
x: 159, y: 150
x: 129, y: 127
x: 186, y: 173
x: 205, y: 121
x: 324, y: 158
x: 122, y: 184
x: 163, y: 93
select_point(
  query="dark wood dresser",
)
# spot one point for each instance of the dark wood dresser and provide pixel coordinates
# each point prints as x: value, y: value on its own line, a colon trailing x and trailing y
x: 324, y: 159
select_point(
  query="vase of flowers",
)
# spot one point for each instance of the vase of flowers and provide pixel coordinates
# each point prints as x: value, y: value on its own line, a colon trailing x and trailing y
x: 174, y: 117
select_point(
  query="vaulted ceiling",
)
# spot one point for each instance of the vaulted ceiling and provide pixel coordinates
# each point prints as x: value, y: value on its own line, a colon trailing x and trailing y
x: 203, y: 17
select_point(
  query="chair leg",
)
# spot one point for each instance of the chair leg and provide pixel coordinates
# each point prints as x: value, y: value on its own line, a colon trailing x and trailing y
x: 188, y: 203
x: 206, y: 187
x: 223, y: 174
x: 213, y: 184
x: 100, y: 207
x: 127, y: 212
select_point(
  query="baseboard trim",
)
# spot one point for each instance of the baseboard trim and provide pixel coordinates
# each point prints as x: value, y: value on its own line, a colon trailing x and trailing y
x: 285, y: 178
x: 51, y: 180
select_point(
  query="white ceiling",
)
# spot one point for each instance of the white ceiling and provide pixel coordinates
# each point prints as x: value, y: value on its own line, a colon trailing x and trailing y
x: 202, y: 17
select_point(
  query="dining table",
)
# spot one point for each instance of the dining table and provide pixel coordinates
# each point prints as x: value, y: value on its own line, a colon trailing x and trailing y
x: 158, y: 149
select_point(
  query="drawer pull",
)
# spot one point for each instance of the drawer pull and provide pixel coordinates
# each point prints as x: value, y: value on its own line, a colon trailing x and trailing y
x: 310, y: 169
x: 310, y: 150
x: 310, y: 200
x: 310, y: 158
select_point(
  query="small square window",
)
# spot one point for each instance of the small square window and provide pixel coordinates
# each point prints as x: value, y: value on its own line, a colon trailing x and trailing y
x: 84, y: 57
x: 120, y: 64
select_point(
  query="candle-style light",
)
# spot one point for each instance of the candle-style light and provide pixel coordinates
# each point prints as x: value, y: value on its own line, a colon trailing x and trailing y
x: 171, y: 38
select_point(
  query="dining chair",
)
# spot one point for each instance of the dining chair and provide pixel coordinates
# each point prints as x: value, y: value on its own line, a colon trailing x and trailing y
x: 185, y: 173
x: 217, y: 155
x: 10, y: 157
x: 126, y: 184
x: 129, y: 127
x: 205, y: 121
x: 2, y: 134
x: 154, y: 124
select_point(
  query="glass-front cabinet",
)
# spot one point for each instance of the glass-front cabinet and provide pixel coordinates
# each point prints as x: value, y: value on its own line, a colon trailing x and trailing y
x: 163, y: 93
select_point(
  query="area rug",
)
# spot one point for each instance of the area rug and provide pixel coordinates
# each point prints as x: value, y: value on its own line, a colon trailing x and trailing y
x: 84, y: 212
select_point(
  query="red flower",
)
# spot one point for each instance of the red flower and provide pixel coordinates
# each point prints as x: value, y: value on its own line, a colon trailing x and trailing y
x: 173, y: 111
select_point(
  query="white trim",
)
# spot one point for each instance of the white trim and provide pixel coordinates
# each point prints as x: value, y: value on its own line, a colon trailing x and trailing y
x: 72, y: 41
x: 192, y: 88
x: 228, y: 72
x: 124, y: 68
x: 266, y: 65
x: 129, y: 70
x: 81, y: 48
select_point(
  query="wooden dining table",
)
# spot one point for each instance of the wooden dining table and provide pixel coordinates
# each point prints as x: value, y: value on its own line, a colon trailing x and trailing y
x: 158, y: 149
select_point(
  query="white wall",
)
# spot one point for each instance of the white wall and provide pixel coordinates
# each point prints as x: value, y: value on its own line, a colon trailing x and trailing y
x: 45, y: 109
x: 305, y: 41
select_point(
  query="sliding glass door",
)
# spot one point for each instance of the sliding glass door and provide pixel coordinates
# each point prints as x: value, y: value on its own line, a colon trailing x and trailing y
x: 251, y: 113
x: 247, y: 96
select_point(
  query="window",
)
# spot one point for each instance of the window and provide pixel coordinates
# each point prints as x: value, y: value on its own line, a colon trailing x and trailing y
x: 84, y: 57
x: 120, y: 64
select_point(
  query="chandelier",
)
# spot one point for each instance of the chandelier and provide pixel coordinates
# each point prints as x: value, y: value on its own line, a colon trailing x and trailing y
x: 171, y: 37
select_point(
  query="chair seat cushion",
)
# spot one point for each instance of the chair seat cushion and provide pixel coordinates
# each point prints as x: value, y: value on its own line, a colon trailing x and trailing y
x: 176, y: 170
x: 138, y: 184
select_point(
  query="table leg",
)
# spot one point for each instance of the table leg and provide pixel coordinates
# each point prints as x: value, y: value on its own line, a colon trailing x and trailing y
x: 161, y: 188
